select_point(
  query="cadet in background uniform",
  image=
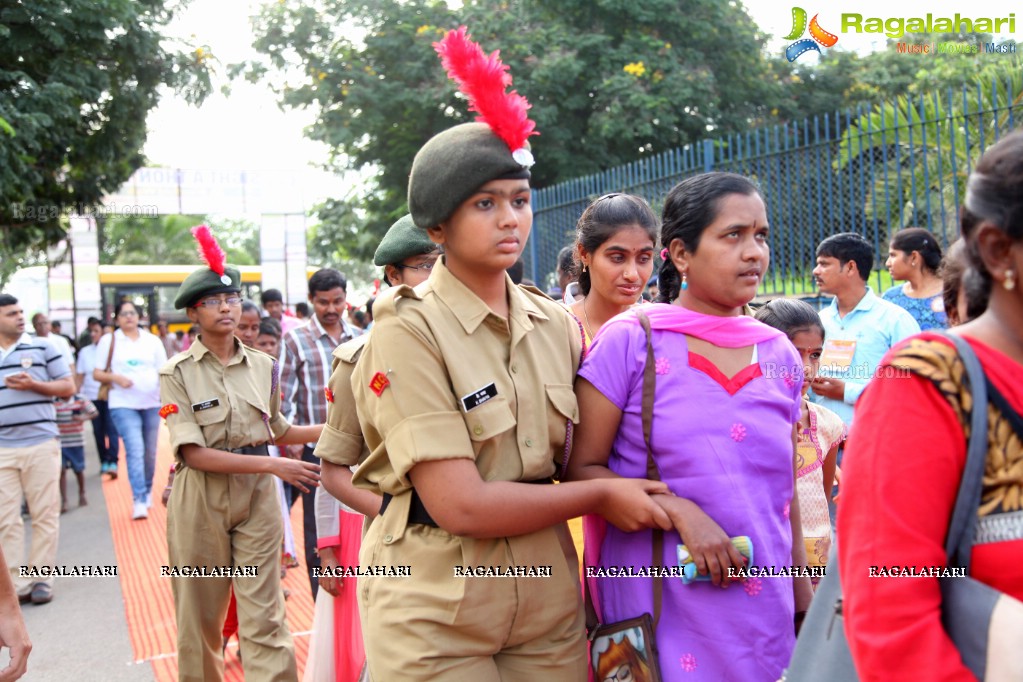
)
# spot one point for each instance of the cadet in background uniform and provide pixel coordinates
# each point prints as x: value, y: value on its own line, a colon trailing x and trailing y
x: 221, y: 401
x: 465, y: 399
x: 407, y: 255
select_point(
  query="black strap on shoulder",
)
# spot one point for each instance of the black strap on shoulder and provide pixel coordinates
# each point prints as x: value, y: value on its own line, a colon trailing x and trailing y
x: 959, y: 541
x: 652, y: 473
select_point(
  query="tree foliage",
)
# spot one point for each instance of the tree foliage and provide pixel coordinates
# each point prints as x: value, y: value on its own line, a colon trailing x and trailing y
x: 77, y: 79
x: 843, y: 79
x: 137, y: 240
x: 609, y: 80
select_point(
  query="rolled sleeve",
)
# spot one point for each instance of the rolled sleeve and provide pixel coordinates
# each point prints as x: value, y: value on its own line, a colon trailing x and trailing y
x: 180, y: 423
x: 279, y: 425
x: 425, y: 438
x: 341, y: 441
x: 338, y: 447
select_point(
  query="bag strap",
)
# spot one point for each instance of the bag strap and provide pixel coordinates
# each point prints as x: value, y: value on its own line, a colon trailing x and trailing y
x: 959, y: 541
x: 652, y: 473
x: 647, y: 414
x: 110, y: 355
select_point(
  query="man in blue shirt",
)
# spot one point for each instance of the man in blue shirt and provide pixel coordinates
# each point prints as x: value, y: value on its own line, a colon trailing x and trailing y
x: 859, y: 326
x: 32, y: 374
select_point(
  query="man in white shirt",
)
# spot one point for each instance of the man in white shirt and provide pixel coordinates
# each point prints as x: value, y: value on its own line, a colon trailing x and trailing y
x: 41, y: 324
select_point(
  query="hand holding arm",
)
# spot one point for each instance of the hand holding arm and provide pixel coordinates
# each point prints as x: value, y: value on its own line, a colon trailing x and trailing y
x: 302, y: 475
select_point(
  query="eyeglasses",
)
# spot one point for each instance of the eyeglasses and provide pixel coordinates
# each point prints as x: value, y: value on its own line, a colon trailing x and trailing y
x: 622, y: 674
x: 214, y: 302
x: 425, y: 267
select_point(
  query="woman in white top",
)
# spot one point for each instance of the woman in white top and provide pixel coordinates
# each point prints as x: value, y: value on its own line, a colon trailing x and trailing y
x: 103, y: 427
x: 134, y: 398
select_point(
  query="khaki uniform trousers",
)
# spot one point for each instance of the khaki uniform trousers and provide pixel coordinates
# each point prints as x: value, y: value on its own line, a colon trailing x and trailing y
x: 34, y: 471
x: 435, y: 627
x: 224, y: 520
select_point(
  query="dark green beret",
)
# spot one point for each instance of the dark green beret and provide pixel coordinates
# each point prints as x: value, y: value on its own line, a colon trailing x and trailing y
x: 452, y: 165
x: 205, y: 282
x: 403, y: 240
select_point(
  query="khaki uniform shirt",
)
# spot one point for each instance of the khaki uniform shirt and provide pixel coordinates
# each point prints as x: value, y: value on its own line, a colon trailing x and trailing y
x: 463, y: 382
x: 443, y: 377
x: 221, y: 406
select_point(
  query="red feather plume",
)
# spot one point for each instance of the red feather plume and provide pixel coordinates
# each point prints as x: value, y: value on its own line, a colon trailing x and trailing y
x: 484, y: 78
x: 209, y: 249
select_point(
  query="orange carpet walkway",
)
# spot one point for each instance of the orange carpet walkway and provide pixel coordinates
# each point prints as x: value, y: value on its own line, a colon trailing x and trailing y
x: 141, y: 549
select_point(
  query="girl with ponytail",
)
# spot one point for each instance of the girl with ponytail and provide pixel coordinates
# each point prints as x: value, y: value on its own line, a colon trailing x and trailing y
x: 614, y: 252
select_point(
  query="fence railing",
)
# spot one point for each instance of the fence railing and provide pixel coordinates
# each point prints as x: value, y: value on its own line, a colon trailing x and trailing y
x: 871, y: 170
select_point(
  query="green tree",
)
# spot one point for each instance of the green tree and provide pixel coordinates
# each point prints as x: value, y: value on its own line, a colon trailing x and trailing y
x: 137, y: 240
x: 609, y: 80
x: 77, y: 79
x: 923, y: 183
x: 843, y: 79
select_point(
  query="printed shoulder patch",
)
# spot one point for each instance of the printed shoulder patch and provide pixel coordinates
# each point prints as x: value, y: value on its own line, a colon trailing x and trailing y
x: 328, y: 394
x: 378, y: 383
x: 167, y: 410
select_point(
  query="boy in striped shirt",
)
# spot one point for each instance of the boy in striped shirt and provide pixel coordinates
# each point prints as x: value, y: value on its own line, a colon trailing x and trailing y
x: 72, y: 413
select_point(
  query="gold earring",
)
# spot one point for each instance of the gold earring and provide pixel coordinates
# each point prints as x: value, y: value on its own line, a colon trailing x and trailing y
x: 1010, y: 280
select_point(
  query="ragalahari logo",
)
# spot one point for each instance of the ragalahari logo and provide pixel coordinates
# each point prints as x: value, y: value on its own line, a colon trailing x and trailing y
x: 817, y: 35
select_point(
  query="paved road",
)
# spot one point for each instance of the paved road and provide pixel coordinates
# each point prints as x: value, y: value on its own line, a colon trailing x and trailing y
x: 82, y: 634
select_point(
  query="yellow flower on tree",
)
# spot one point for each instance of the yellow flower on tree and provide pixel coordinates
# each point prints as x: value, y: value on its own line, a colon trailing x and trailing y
x: 636, y: 69
x: 423, y: 29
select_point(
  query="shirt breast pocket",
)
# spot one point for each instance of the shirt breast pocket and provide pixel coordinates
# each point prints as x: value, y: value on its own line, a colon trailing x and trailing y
x: 562, y: 408
x: 256, y: 419
x: 491, y: 420
x: 211, y: 421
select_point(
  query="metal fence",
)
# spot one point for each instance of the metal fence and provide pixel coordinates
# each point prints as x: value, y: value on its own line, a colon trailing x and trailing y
x: 869, y: 170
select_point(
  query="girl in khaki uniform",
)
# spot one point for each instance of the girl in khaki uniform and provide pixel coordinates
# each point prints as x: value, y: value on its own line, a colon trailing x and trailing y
x: 221, y: 402
x: 465, y: 400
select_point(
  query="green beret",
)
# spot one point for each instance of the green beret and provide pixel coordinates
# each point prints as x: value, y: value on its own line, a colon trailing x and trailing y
x: 452, y: 165
x: 403, y: 240
x: 205, y: 282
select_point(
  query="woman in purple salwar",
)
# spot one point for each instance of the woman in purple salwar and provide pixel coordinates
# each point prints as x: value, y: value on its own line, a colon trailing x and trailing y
x: 726, y: 402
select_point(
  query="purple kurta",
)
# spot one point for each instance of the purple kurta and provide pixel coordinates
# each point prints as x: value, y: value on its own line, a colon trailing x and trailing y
x: 727, y: 446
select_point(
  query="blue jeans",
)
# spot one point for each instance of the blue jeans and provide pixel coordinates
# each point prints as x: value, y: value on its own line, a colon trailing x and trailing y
x: 105, y: 434
x: 139, y: 430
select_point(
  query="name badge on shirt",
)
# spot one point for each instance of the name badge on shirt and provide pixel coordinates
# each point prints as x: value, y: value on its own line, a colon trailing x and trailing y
x: 478, y: 397
x: 838, y: 354
x: 205, y: 405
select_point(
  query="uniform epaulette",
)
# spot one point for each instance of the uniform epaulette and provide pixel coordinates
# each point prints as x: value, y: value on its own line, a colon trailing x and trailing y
x: 535, y: 291
x: 257, y: 353
x: 174, y: 361
x: 349, y: 350
x: 386, y: 304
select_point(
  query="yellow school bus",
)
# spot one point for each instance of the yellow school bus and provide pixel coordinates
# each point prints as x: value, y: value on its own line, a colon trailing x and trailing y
x: 153, y: 288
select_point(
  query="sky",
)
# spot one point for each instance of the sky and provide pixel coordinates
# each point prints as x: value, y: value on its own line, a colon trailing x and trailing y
x: 247, y: 130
